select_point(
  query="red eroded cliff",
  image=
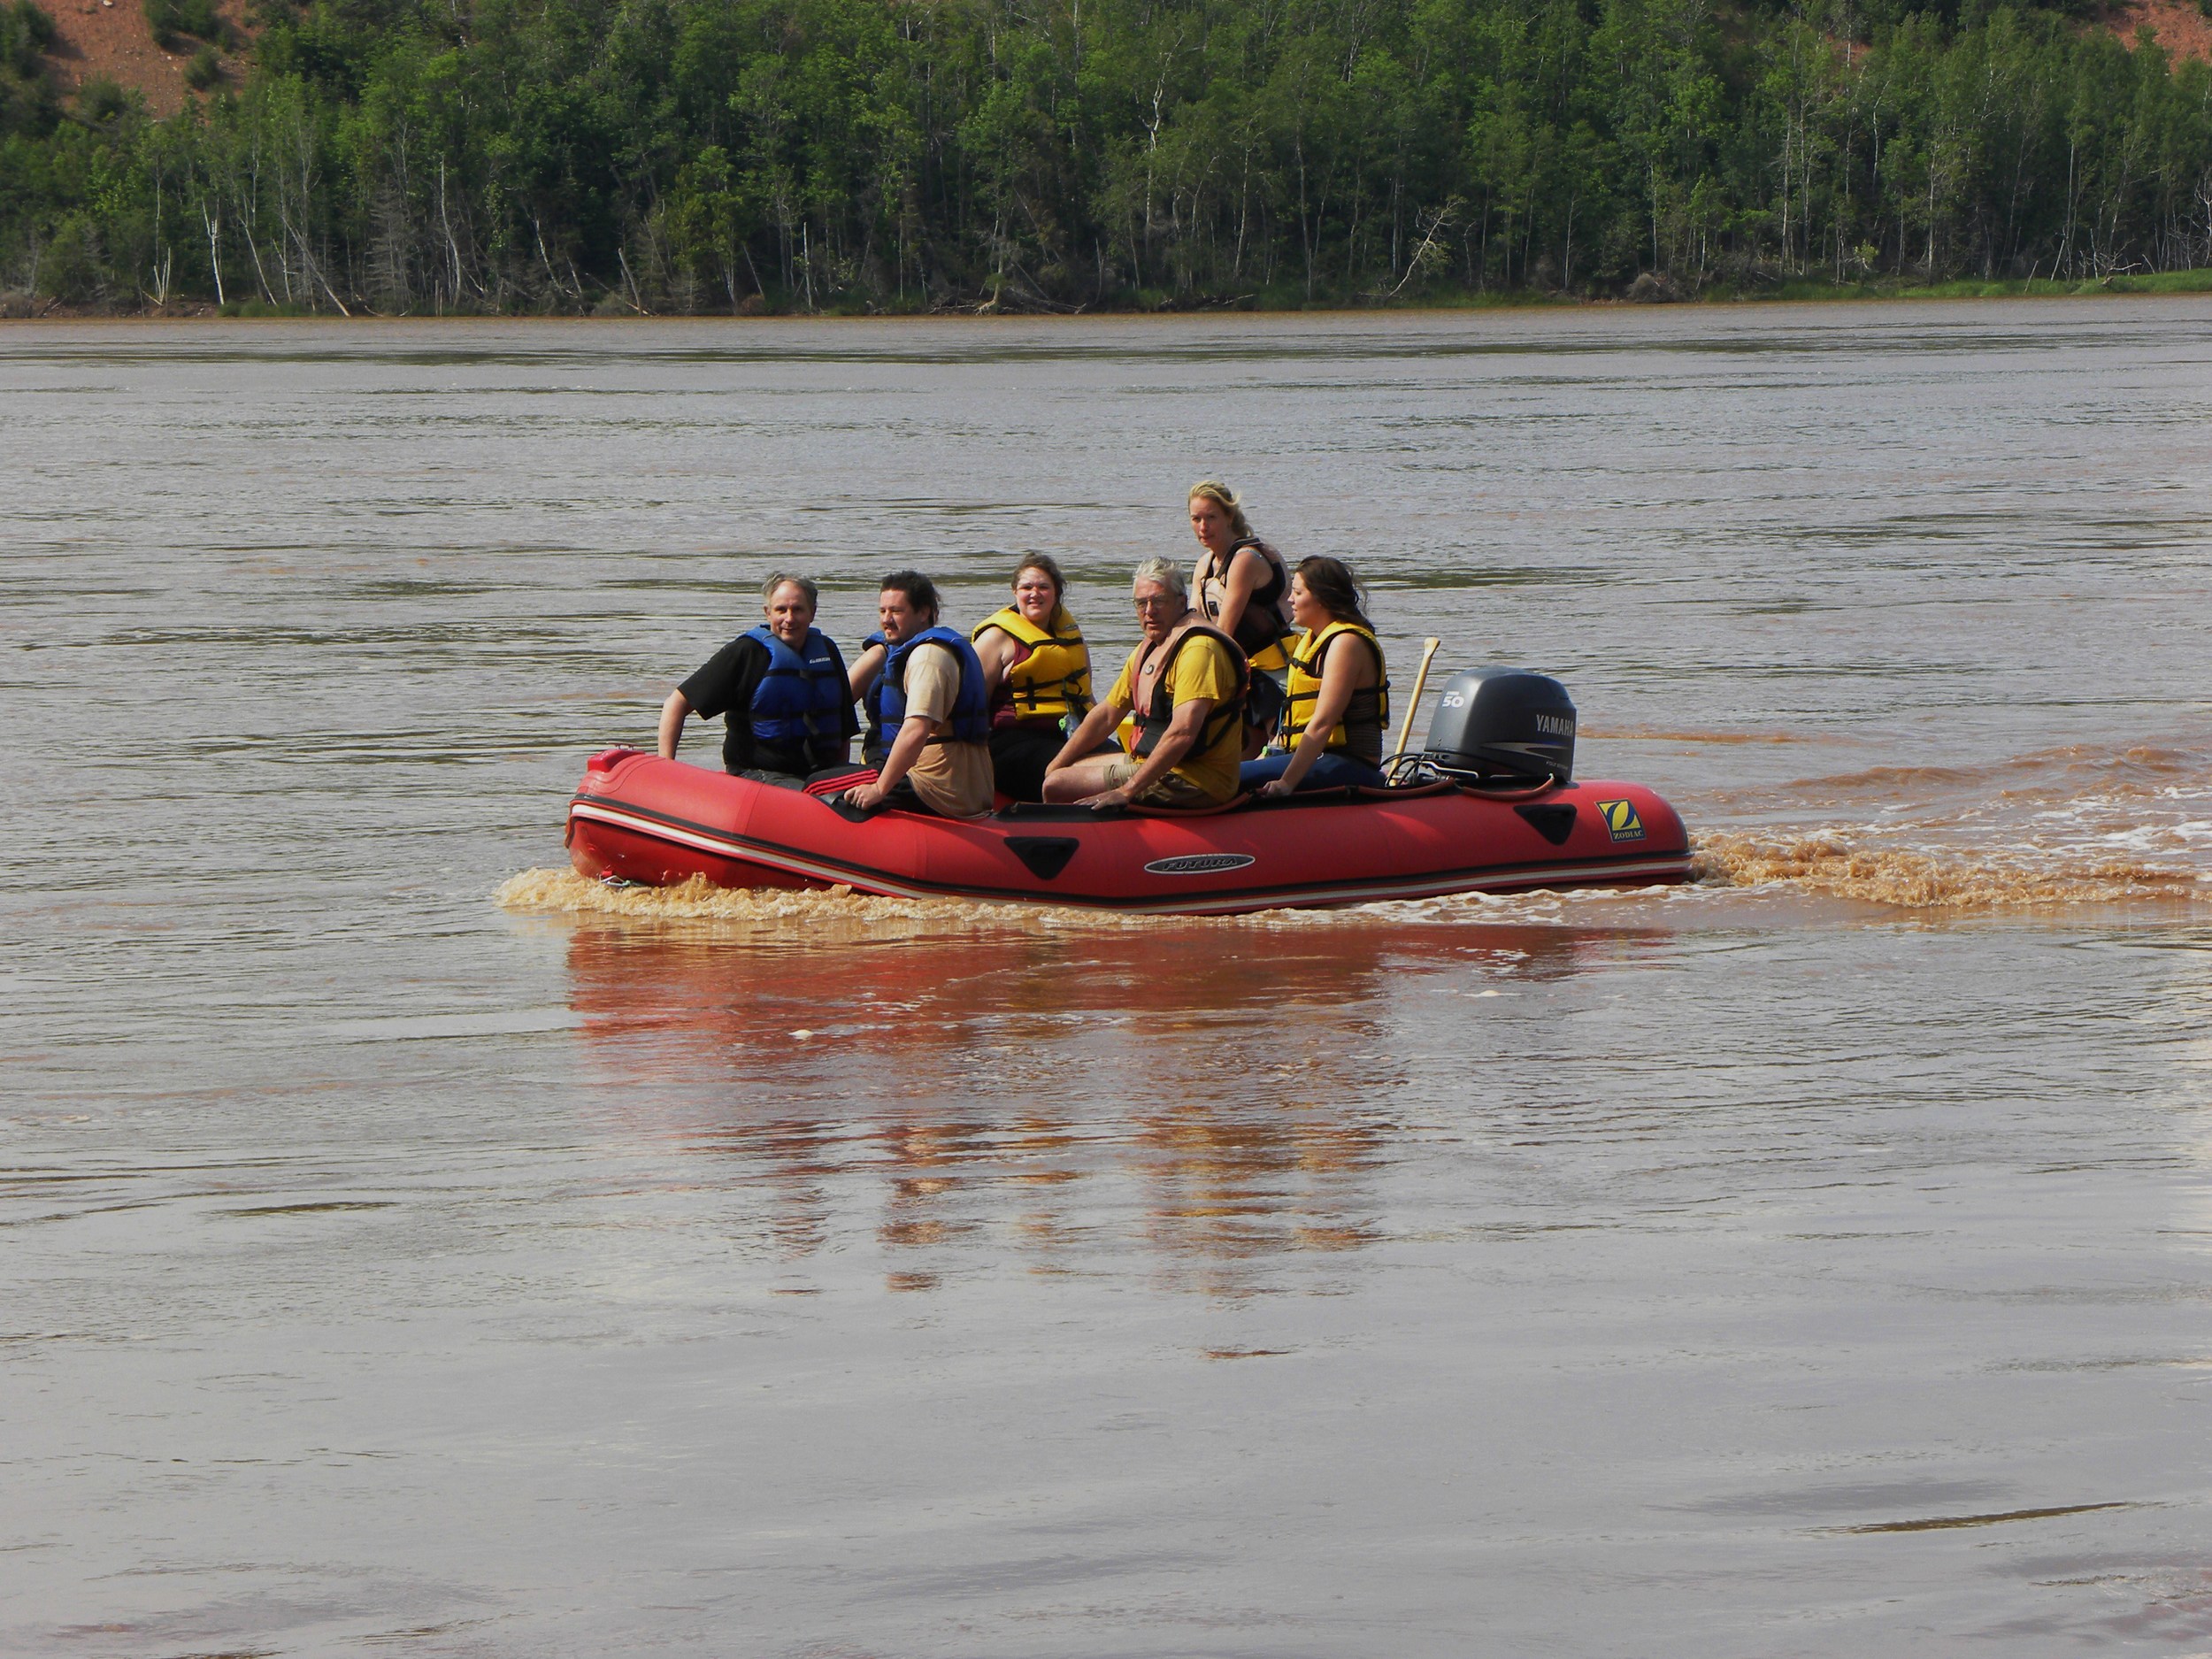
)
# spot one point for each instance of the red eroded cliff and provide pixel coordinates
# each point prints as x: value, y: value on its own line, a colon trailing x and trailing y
x: 110, y: 37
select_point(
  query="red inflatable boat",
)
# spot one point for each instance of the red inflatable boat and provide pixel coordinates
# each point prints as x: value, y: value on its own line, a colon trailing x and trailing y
x: 658, y: 822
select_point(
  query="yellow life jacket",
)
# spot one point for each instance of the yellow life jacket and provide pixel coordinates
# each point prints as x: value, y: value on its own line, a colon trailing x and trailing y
x: 1054, y: 681
x: 1154, y: 718
x: 1365, y: 717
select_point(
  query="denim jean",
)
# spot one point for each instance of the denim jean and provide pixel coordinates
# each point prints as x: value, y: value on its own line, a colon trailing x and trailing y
x: 1332, y: 770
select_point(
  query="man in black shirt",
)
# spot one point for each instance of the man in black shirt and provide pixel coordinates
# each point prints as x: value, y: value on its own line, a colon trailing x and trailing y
x: 781, y: 689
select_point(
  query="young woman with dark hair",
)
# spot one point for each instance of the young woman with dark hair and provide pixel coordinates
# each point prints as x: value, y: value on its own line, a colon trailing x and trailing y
x: 1339, y: 693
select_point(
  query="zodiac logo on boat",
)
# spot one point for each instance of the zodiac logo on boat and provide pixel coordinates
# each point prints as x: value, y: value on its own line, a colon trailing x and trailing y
x: 1204, y: 864
x: 1621, y: 820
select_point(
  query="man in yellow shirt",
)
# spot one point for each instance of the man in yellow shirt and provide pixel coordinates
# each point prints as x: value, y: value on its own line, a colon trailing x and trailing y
x: 1185, y: 683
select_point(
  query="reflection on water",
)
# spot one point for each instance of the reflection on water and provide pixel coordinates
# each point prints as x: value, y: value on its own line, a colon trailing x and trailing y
x: 1243, y: 1067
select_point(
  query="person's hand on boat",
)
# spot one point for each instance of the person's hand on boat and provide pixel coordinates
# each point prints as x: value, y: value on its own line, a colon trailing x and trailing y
x: 1273, y: 788
x: 1106, y: 798
x: 866, y: 798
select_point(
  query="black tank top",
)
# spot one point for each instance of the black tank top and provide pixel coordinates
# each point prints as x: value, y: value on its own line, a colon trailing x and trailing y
x: 1262, y: 625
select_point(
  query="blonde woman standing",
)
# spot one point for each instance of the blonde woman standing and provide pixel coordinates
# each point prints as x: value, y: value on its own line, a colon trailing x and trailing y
x: 1242, y: 587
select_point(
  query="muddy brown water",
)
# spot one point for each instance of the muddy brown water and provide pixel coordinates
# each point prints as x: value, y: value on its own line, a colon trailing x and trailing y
x: 412, y: 1247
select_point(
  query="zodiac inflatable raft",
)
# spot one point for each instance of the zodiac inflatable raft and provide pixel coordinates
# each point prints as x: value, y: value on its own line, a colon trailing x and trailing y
x: 1488, y: 807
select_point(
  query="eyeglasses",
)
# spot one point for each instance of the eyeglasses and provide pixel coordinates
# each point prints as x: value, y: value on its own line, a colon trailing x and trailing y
x: 1157, y: 602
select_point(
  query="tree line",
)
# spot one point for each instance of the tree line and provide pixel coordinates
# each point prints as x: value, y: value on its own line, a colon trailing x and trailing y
x: 428, y: 156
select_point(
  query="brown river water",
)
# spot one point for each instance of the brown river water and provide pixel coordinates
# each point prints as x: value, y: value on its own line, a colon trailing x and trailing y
x: 410, y: 1247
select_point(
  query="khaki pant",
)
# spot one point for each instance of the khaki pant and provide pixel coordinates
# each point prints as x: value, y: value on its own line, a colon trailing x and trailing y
x: 1171, y: 790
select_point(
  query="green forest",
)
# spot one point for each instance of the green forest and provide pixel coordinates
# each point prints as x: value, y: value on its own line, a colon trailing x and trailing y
x: 841, y: 156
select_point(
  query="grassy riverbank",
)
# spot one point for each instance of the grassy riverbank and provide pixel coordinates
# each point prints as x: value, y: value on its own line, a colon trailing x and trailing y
x: 1796, y: 290
x: 2195, y: 281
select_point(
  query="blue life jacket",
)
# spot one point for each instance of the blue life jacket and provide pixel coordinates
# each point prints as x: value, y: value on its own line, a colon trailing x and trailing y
x: 970, y: 719
x: 874, y: 743
x: 801, y: 700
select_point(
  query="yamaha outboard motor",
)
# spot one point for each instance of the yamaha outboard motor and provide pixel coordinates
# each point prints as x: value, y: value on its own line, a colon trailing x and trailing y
x: 1503, y: 724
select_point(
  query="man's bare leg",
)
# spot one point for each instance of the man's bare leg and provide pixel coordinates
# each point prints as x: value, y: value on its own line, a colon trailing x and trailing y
x: 1081, y: 779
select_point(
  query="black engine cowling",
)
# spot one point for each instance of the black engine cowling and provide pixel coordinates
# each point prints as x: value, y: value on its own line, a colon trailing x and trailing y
x: 1503, y: 723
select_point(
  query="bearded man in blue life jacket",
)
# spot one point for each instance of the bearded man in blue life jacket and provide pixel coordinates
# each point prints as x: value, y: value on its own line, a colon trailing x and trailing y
x: 781, y: 688
x: 929, y: 719
x: 1185, y: 683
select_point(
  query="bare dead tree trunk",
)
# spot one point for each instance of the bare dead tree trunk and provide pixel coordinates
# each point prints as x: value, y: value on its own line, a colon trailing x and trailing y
x: 213, y: 222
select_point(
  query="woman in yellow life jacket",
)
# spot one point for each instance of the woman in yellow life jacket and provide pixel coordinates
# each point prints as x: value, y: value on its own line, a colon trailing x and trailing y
x: 1339, y: 696
x: 1243, y: 587
x: 1037, y: 675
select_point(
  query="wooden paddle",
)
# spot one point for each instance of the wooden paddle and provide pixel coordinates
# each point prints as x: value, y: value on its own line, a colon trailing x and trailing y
x: 1405, y: 727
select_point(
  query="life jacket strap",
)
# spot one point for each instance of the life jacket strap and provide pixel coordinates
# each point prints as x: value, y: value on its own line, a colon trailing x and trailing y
x: 1153, y: 720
